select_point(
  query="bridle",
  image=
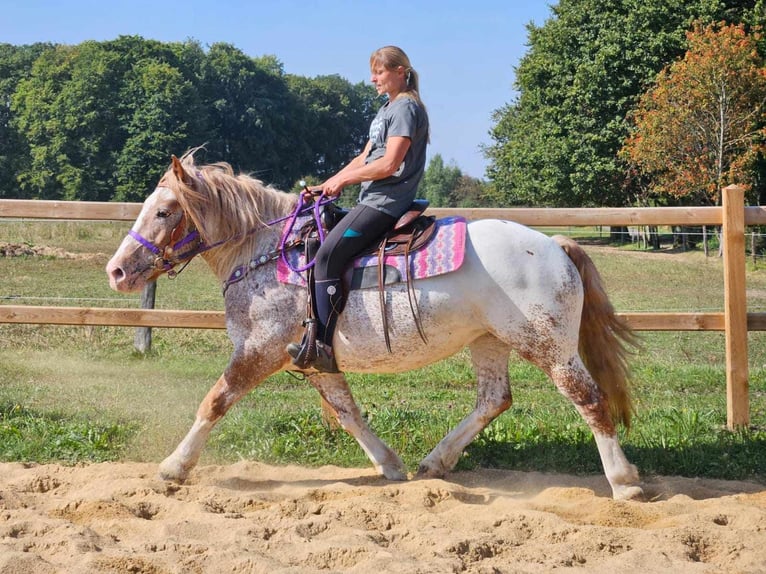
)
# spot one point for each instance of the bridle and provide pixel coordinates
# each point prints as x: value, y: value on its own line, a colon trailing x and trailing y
x: 167, y: 258
x: 166, y: 262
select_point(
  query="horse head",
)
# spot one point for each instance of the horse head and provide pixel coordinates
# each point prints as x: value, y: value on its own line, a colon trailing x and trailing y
x: 163, y: 236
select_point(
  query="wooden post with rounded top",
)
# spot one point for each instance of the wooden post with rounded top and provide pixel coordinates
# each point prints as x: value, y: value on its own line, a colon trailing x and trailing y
x: 735, y: 307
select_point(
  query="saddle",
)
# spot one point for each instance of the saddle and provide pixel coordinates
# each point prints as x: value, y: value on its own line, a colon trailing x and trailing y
x: 412, y: 231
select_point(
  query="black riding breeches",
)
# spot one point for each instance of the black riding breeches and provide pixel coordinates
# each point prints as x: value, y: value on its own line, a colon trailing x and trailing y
x: 357, y: 231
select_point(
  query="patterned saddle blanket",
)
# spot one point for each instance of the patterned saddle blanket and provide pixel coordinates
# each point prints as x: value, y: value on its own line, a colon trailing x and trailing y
x: 442, y: 254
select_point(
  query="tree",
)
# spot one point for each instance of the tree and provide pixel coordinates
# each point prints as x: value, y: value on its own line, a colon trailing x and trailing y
x: 335, y: 120
x: 556, y: 143
x: 15, y: 64
x: 159, y: 123
x: 252, y: 119
x: 439, y: 182
x: 701, y: 126
x: 99, y: 120
x: 471, y: 192
x: 81, y: 104
x: 64, y: 110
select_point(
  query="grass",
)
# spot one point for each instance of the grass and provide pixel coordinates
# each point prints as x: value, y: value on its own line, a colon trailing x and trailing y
x: 76, y: 394
x: 27, y: 435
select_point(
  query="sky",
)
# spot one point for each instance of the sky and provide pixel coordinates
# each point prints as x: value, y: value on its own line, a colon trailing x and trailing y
x: 465, y: 51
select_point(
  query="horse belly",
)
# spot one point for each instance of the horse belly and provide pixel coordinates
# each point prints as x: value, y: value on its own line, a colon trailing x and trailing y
x: 360, y: 344
x: 515, y: 284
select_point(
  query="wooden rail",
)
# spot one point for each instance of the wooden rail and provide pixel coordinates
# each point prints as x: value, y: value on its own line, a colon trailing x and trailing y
x: 119, y: 317
x: 734, y: 321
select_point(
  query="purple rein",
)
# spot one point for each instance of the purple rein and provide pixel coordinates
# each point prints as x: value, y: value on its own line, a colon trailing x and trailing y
x: 318, y: 203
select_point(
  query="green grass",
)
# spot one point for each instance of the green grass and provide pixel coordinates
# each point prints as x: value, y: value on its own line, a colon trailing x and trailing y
x: 28, y: 435
x: 75, y: 394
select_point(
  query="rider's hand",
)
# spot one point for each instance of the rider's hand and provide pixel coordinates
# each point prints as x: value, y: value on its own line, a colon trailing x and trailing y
x: 311, y: 193
x: 333, y: 186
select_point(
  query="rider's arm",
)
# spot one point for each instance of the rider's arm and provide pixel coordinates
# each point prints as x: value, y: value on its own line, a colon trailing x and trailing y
x: 357, y: 171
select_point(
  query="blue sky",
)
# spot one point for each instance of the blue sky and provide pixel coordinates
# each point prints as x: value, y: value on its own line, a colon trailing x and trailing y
x: 465, y: 51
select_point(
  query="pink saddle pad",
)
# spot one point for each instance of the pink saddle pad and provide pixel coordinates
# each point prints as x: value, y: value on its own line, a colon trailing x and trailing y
x: 443, y: 253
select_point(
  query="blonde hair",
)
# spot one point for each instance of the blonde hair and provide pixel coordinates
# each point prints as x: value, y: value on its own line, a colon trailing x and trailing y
x: 391, y: 57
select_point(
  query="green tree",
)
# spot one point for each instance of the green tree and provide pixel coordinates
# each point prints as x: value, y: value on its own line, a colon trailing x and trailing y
x: 472, y: 192
x: 158, y: 124
x: 335, y: 119
x: 77, y: 115
x: 251, y: 119
x: 701, y: 126
x: 55, y: 109
x: 99, y: 120
x: 439, y: 182
x: 557, y: 142
x: 15, y: 64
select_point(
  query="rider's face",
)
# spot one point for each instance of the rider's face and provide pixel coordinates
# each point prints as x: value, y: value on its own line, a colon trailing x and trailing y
x: 387, y: 81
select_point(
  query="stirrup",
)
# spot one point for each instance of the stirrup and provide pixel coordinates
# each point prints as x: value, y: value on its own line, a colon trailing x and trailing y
x: 307, y: 353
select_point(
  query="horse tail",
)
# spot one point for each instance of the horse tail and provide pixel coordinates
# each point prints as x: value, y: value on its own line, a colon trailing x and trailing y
x: 605, y: 340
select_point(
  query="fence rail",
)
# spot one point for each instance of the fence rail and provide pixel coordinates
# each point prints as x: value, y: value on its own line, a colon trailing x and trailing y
x: 734, y: 321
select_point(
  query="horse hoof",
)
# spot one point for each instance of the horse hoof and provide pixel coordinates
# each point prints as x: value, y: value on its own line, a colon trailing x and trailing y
x: 172, y: 473
x: 426, y: 471
x: 628, y: 493
x: 392, y: 473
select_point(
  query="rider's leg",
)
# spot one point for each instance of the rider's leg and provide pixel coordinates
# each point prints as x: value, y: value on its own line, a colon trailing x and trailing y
x: 354, y: 233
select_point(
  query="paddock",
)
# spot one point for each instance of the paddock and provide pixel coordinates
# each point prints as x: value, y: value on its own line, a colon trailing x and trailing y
x: 733, y: 217
x: 254, y: 517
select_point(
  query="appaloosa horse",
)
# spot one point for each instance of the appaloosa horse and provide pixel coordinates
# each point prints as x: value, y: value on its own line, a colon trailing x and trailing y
x: 516, y: 289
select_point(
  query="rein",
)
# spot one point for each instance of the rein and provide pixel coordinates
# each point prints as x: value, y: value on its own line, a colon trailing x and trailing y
x: 168, y: 263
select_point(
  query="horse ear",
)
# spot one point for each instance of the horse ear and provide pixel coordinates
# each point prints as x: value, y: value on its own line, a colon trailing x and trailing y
x: 179, y: 171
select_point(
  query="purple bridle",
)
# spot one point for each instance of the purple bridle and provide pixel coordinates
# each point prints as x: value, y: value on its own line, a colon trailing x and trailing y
x: 167, y: 264
x: 162, y: 262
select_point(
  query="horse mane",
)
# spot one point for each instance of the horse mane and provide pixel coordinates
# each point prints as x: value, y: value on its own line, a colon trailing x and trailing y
x: 229, y: 207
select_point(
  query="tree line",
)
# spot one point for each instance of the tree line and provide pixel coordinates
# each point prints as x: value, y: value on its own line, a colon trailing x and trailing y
x: 616, y: 103
x: 625, y: 102
x: 99, y: 120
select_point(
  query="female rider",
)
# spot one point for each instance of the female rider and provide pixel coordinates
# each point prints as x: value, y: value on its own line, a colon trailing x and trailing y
x: 389, y: 168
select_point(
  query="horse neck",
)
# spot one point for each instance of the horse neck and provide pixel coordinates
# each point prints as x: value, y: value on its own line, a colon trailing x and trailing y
x: 251, y: 237
x: 223, y: 259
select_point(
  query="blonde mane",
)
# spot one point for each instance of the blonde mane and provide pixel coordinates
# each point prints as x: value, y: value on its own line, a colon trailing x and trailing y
x: 229, y: 207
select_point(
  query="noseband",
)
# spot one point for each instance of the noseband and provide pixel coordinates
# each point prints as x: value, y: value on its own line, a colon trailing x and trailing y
x: 165, y: 261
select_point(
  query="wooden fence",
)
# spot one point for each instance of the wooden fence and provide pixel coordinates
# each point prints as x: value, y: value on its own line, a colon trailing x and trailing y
x: 734, y: 320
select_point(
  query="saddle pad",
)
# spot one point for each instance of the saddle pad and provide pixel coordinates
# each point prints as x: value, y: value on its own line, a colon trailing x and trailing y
x: 444, y: 253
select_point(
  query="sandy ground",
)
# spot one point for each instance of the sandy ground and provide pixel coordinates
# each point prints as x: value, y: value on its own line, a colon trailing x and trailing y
x: 250, y: 517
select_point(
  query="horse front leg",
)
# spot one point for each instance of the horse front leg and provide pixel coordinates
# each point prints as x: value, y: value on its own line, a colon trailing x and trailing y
x: 490, y: 362
x: 335, y: 391
x: 241, y: 375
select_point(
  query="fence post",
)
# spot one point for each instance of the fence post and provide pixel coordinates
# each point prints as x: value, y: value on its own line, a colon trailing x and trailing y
x: 735, y: 307
x: 142, y: 341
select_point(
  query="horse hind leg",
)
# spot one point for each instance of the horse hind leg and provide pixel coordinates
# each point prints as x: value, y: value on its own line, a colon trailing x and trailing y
x: 490, y: 362
x: 575, y: 382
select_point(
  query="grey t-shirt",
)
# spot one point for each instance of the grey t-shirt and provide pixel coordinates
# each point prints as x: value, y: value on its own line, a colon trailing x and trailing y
x: 394, y: 194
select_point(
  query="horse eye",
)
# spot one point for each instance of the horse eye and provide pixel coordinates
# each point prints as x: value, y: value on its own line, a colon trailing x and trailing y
x: 163, y: 213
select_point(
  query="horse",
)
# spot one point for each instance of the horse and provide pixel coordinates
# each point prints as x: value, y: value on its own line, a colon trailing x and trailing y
x: 516, y: 290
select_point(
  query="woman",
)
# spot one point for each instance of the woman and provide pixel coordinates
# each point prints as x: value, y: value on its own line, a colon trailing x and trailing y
x: 389, y: 168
